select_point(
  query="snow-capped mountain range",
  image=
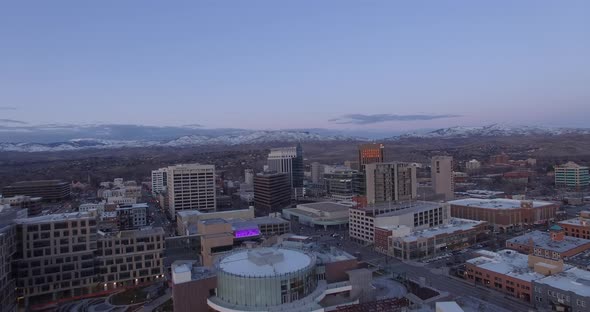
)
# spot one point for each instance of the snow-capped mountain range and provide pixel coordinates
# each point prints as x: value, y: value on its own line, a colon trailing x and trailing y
x: 115, y: 136
x: 235, y: 138
x: 494, y: 130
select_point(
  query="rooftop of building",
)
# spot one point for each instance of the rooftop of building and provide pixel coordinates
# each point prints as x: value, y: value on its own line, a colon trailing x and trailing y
x: 145, y: 231
x: 188, y: 213
x: 571, y: 165
x: 142, y: 232
x: 448, y: 306
x: 581, y: 260
x: 497, y: 203
x: 39, y: 182
x: 268, y: 220
x: 412, y: 207
x: 270, y: 174
x: 575, y: 280
x: 21, y: 197
x: 55, y: 218
x: 331, y: 254
x: 190, y: 166
x: 261, y: 262
x: 543, y: 240
x: 134, y: 206
x: 454, y: 225
x: 317, y: 216
x: 197, y: 272
x: 507, y: 262
x: 9, y: 214
x: 576, y: 221
x: 214, y: 221
x: 325, y: 206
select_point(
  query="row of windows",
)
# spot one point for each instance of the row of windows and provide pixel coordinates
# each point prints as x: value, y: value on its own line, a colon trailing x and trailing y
x: 61, y: 250
x: 59, y: 225
x: 129, y: 249
x: 44, y: 235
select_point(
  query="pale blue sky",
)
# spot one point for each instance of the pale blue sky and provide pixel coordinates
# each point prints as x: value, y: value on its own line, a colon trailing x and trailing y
x: 295, y: 64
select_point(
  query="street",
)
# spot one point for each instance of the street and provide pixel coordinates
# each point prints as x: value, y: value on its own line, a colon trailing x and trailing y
x: 156, y: 215
x: 435, y: 277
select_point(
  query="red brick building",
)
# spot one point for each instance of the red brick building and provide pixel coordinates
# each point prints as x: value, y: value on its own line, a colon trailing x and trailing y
x: 504, y: 214
x: 577, y: 227
x: 501, y: 159
x: 337, y: 271
x: 382, y: 235
x: 550, y: 245
x: 504, y: 271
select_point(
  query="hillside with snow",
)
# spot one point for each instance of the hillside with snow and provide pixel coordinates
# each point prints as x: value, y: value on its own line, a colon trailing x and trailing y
x: 495, y: 130
x: 229, y: 139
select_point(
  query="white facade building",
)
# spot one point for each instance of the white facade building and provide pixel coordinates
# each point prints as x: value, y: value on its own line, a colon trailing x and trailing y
x: 159, y: 180
x: 249, y: 176
x: 415, y: 216
x: 472, y: 165
x: 316, y: 171
x: 191, y: 186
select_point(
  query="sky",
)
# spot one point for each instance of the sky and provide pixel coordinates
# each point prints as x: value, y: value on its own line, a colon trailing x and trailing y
x: 340, y: 64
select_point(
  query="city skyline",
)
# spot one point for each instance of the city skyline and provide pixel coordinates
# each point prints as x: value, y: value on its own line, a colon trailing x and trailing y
x: 334, y: 65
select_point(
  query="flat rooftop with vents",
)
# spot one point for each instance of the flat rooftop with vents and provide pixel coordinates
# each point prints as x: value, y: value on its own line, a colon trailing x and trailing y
x: 573, y: 280
x: 507, y: 262
x: 566, y: 246
x: 497, y: 203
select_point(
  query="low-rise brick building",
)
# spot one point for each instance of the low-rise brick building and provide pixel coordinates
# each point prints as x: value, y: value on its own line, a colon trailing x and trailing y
x: 577, y: 227
x: 504, y: 214
x: 551, y: 245
x: 505, y: 271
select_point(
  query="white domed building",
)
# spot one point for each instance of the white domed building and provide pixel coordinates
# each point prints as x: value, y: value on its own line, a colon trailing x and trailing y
x: 274, y: 279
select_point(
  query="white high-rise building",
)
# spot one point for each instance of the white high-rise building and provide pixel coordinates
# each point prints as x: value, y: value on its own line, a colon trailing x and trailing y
x: 316, y: 171
x: 159, y: 180
x: 472, y: 165
x: 249, y: 176
x: 288, y: 160
x: 191, y: 186
x: 442, y: 176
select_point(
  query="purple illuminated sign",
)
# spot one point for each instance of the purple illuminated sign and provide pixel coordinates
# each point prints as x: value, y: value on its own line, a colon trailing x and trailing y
x: 247, y: 233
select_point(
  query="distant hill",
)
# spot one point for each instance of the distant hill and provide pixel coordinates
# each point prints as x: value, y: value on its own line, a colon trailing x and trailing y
x: 494, y: 130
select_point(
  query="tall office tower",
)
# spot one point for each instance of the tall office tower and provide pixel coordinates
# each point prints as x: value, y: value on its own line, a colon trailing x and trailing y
x: 8, y: 245
x: 390, y: 182
x: 288, y: 160
x: 249, y: 176
x: 316, y: 172
x: 159, y: 180
x: 442, y: 176
x: 55, y: 257
x: 191, y: 186
x: 370, y: 153
x: 344, y: 184
x: 272, y: 192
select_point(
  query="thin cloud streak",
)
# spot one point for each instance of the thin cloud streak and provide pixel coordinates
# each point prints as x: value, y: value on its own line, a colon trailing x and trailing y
x: 7, y: 108
x: 361, y: 119
x: 12, y: 121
